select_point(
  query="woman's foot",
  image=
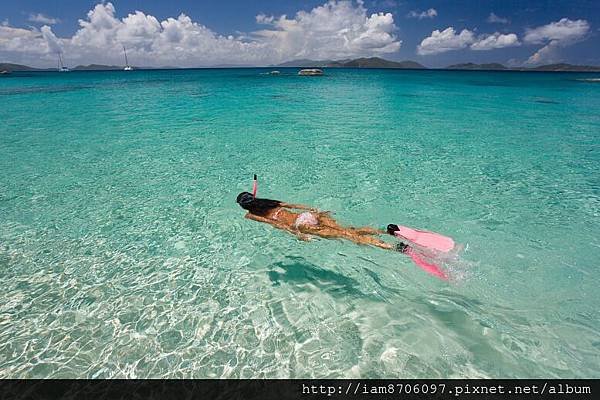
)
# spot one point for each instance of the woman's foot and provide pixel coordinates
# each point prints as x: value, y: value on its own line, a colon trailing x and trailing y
x: 401, y: 247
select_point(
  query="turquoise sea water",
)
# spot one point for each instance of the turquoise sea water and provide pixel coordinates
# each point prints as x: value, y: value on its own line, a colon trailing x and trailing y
x: 123, y: 253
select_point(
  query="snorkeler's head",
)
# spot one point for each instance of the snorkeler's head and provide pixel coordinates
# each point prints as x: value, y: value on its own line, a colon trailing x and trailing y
x: 255, y: 205
x: 245, y: 199
x: 391, y: 228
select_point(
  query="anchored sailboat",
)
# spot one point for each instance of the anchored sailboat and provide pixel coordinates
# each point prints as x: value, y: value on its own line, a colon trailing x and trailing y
x: 61, y: 66
x: 127, y: 67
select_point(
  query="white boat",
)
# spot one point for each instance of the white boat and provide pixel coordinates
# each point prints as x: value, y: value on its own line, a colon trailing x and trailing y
x: 4, y: 72
x: 311, y: 72
x: 61, y: 66
x: 127, y: 66
x: 274, y: 73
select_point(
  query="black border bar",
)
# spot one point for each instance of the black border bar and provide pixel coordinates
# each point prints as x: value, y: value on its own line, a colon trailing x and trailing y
x: 307, y: 389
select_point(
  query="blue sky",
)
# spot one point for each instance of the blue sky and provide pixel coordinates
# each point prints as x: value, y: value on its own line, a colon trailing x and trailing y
x: 229, y: 31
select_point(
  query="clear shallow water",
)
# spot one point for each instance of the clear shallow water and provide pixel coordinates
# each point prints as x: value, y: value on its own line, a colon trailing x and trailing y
x: 123, y: 253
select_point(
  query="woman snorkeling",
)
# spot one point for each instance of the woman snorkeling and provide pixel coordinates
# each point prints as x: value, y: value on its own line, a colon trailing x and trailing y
x: 423, y: 247
x: 307, y: 222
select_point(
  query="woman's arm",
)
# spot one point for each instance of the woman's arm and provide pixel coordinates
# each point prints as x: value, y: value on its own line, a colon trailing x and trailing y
x: 278, y: 225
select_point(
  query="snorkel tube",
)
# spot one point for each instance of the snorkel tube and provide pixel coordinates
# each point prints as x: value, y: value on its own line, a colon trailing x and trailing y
x: 254, y: 186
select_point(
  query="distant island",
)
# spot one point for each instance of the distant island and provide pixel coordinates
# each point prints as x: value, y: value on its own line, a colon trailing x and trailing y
x: 97, y: 67
x: 371, y: 62
x: 550, y: 67
x: 376, y: 62
x: 17, y: 67
x: 472, y: 66
x: 565, y: 67
x: 92, y: 67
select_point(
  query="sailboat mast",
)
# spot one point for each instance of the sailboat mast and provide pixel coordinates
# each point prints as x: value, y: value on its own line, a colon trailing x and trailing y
x: 125, y: 52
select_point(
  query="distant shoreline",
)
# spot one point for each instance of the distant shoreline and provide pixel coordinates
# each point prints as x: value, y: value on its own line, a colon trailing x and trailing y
x: 36, y: 71
x: 359, y: 63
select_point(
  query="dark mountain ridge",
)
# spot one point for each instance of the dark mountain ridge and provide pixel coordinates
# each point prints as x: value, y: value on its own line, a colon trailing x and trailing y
x: 563, y: 67
x: 372, y: 62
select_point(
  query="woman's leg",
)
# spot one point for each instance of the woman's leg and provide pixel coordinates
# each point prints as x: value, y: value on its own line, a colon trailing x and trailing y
x: 368, y: 240
x: 326, y: 221
x: 367, y: 230
x: 349, y: 234
x: 324, y: 232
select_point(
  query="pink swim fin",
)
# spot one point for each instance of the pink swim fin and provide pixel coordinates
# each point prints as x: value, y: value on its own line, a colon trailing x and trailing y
x: 428, y: 267
x: 430, y: 240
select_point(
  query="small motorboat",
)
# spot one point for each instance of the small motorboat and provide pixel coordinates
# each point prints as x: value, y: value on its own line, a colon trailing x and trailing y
x: 311, y: 72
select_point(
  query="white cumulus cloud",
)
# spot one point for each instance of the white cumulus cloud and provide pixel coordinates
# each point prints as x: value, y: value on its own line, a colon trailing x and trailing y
x: 565, y: 30
x: 548, y: 54
x: 50, y: 39
x: 43, y: 19
x: 449, y: 39
x: 446, y: 40
x: 17, y: 40
x: 495, y: 19
x: 432, y: 12
x: 495, y: 41
x: 336, y: 29
x: 8, y: 33
x: 555, y: 35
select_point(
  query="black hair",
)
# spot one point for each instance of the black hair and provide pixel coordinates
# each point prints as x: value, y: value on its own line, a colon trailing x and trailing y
x: 255, y: 205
